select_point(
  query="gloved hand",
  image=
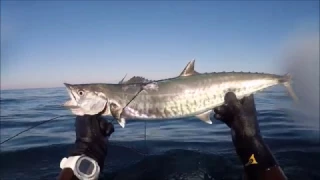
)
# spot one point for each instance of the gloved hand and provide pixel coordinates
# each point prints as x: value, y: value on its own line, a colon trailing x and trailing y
x: 241, y: 117
x: 92, y: 134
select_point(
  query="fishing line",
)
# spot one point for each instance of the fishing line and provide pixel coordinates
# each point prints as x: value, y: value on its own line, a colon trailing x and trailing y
x: 133, y: 149
x: 133, y: 98
x: 45, y: 121
x: 130, y: 101
x: 42, y: 122
x: 145, y: 126
x: 145, y: 123
x: 129, y: 148
x: 145, y: 137
x: 142, y: 88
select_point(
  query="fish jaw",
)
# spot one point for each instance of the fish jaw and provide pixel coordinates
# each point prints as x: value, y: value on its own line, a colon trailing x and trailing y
x: 72, y: 102
x: 87, y: 102
x: 74, y: 108
x: 77, y: 111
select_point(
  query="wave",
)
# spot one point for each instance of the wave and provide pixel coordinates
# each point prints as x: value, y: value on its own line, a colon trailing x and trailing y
x: 176, y: 162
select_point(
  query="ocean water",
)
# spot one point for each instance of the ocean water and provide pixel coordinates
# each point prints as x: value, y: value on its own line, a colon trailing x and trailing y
x: 180, y: 149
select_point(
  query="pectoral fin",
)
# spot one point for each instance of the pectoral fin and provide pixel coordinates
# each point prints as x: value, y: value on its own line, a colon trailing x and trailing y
x: 116, y: 113
x: 122, y: 122
x: 205, y: 117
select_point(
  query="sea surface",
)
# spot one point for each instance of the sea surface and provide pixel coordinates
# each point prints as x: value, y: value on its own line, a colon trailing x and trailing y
x: 179, y: 149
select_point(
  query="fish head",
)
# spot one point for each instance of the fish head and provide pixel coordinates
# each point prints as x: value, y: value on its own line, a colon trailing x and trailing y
x: 86, y: 99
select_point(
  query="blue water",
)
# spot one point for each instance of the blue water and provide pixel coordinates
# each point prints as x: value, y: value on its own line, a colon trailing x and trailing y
x: 181, y: 149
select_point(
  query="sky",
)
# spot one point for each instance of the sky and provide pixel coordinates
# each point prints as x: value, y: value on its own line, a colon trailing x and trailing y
x: 47, y: 43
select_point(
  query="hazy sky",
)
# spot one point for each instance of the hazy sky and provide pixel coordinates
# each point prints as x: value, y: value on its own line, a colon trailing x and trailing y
x: 44, y: 44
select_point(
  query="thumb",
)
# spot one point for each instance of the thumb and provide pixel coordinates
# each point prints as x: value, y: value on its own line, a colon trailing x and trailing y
x: 232, y: 103
x: 231, y: 99
x: 248, y: 104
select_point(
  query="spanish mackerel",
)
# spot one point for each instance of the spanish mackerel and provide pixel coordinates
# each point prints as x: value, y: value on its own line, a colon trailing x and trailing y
x: 189, y: 94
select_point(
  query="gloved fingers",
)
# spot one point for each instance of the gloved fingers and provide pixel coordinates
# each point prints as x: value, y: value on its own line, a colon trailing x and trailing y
x: 249, y: 104
x: 248, y: 101
x: 221, y: 110
x: 218, y: 117
x: 106, y: 128
x: 242, y: 100
x: 222, y: 118
x: 110, y: 129
x: 231, y: 101
x: 84, y: 118
x: 230, y: 98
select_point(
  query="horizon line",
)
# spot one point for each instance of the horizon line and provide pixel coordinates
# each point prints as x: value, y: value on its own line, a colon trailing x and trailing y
x: 28, y: 88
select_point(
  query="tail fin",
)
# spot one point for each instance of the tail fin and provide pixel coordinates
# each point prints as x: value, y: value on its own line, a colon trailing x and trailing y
x: 286, y: 81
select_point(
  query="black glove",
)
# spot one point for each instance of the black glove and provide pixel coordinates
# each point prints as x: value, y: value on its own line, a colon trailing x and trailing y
x: 92, y: 133
x: 241, y: 117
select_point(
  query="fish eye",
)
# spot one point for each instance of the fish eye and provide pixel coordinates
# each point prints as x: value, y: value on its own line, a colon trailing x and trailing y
x: 81, y: 92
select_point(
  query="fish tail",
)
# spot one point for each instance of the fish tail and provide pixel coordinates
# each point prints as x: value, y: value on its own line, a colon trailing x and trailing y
x: 286, y: 80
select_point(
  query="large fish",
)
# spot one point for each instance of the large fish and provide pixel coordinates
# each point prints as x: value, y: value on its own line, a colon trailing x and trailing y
x: 189, y: 94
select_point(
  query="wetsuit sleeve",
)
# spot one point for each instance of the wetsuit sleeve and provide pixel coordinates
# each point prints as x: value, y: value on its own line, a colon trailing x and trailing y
x: 255, y: 155
x: 92, y: 134
x: 257, y: 159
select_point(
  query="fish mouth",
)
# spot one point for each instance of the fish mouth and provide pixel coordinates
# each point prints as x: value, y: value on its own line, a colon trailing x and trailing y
x: 72, y: 103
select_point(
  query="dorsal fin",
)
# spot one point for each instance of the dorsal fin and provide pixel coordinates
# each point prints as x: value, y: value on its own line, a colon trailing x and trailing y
x: 137, y: 79
x: 189, y: 69
x: 120, y: 82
